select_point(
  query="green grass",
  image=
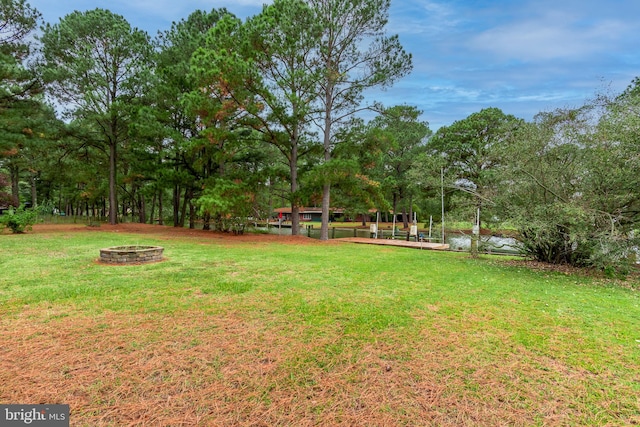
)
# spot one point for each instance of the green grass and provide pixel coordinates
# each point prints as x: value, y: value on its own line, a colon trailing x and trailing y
x: 530, y: 347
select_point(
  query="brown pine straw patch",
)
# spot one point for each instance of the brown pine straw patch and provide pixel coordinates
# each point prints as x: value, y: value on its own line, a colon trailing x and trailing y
x: 170, y: 233
x: 198, y: 369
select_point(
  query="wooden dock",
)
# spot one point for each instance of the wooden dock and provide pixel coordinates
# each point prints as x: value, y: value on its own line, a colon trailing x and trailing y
x: 400, y: 243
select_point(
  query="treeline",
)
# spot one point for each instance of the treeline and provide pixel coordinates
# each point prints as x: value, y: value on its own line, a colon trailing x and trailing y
x: 567, y: 181
x: 218, y: 120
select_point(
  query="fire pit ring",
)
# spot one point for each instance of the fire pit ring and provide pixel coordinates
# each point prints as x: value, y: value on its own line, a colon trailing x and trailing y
x: 131, y: 254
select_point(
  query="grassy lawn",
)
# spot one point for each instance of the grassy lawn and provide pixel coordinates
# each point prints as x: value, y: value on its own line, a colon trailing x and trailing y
x: 227, y: 332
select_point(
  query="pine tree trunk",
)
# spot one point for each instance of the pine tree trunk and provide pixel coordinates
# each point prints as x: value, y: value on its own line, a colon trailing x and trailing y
x: 295, y: 208
x: 113, y: 197
x: 160, y: 220
x: 14, y: 174
x: 176, y: 205
x: 142, y: 217
x: 34, y: 190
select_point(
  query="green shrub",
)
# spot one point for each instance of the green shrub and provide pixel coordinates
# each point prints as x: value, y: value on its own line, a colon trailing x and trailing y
x: 18, y: 220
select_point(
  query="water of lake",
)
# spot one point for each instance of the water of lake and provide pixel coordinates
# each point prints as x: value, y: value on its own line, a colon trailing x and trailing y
x: 456, y: 241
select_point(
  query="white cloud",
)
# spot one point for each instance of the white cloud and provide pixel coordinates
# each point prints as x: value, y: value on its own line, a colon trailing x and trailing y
x: 426, y: 17
x: 522, y: 56
x: 454, y: 92
x: 548, y: 39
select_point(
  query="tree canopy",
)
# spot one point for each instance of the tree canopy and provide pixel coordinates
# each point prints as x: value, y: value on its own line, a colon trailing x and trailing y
x: 229, y: 119
x: 98, y: 67
x: 355, y: 54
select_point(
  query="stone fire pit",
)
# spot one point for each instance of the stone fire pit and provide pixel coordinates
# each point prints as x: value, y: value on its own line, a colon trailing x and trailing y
x: 131, y: 254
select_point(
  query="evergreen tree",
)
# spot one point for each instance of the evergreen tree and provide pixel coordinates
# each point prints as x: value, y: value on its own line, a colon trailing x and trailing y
x: 98, y: 67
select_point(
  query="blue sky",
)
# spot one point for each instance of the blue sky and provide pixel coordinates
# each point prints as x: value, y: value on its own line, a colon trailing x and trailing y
x: 522, y: 56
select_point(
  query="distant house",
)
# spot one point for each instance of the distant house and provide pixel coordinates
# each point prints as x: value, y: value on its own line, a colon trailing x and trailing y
x: 314, y: 214
x: 307, y: 214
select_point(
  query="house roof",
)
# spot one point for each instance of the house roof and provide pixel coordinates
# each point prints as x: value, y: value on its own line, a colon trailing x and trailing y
x: 316, y: 209
x: 306, y: 210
